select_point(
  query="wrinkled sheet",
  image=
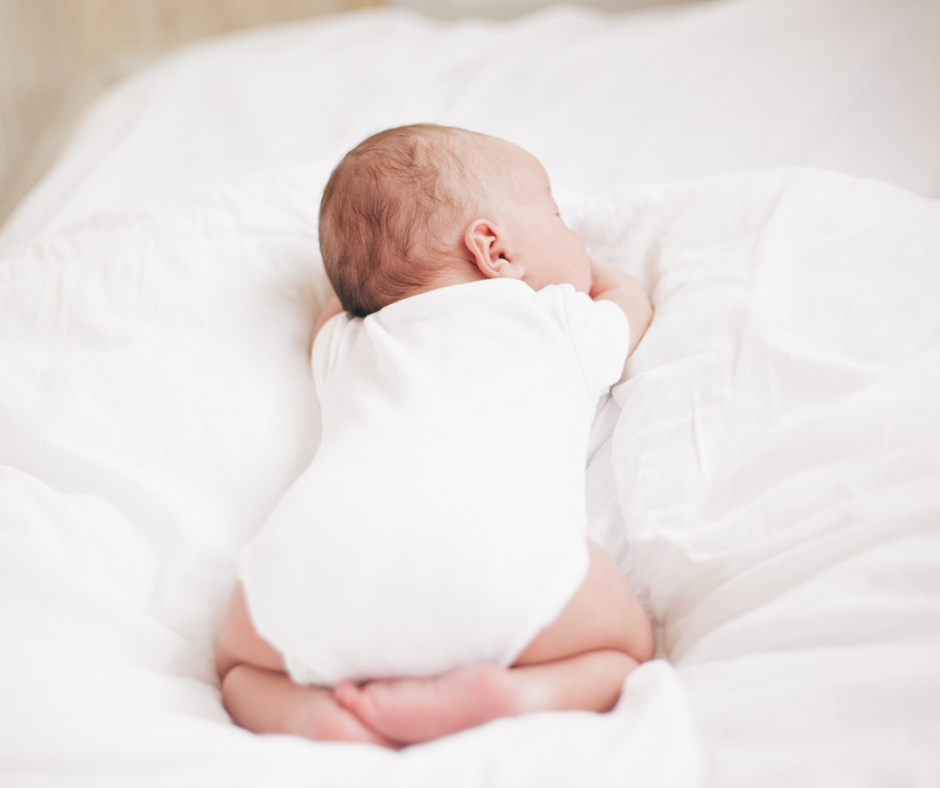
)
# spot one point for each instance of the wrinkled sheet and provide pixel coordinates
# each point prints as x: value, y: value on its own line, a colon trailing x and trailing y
x: 777, y: 468
x: 766, y: 475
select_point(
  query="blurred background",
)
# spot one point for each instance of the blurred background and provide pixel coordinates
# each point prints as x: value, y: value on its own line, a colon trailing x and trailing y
x: 56, y: 56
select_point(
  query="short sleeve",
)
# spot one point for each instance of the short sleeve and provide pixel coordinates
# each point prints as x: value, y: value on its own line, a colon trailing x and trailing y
x: 600, y: 334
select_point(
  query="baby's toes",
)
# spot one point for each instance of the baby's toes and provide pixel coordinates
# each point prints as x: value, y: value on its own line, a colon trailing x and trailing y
x: 340, y: 724
x: 360, y: 701
x: 346, y: 693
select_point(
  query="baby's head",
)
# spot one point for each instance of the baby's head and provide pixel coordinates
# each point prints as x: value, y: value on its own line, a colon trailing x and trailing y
x: 419, y: 207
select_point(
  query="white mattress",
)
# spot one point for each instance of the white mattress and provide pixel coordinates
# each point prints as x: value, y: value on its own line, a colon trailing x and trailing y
x: 767, y: 475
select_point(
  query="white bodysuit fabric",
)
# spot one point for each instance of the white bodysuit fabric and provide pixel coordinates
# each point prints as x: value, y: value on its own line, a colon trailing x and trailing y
x: 442, y: 520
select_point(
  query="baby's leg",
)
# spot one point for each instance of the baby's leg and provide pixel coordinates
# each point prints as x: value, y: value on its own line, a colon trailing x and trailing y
x: 603, y: 614
x: 578, y: 662
x: 264, y: 701
x: 581, y: 660
x: 260, y: 696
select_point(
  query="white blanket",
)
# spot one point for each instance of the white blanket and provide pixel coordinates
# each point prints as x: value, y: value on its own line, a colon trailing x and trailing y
x: 767, y: 476
x: 771, y: 488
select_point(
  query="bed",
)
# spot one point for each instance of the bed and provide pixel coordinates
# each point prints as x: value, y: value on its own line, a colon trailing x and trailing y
x: 767, y: 473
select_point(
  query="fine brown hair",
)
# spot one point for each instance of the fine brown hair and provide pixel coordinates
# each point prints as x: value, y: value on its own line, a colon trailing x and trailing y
x: 383, y: 210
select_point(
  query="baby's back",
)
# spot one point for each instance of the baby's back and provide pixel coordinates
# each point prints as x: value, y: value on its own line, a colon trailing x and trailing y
x: 442, y: 519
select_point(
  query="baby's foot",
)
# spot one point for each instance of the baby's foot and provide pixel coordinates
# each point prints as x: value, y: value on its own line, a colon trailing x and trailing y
x: 325, y: 720
x: 417, y: 710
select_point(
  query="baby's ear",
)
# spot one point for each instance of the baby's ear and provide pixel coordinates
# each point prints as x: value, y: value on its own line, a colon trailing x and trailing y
x: 488, y: 248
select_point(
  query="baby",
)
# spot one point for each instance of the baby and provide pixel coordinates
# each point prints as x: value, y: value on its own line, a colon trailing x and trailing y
x: 430, y: 571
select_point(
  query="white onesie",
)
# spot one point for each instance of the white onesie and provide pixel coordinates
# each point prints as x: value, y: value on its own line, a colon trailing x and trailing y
x: 442, y: 520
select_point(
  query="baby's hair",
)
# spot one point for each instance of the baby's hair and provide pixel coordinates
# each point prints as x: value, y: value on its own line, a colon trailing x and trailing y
x: 382, y: 212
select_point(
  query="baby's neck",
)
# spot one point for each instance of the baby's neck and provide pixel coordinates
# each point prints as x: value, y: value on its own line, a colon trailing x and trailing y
x: 459, y: 273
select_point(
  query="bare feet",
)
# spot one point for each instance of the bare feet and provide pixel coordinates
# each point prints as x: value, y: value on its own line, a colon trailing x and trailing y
x: 267, y: 701
x: 325, y: 720
x: 418, y: 710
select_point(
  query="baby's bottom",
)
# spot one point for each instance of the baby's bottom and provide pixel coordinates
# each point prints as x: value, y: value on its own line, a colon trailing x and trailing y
x: 578, y: 662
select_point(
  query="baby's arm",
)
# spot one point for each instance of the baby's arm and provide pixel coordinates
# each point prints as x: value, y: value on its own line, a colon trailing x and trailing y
x: 333, y: 307
x: 612, y: 284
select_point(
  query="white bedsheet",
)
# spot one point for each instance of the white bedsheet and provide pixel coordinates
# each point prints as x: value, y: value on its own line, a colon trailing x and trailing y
x: 771, y: 485
x: 771, y: 488
x: 777, y: 465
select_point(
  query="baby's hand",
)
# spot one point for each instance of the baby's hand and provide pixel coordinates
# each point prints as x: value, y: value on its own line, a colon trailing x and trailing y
x: 612, y: 284
x: 604, y: 276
